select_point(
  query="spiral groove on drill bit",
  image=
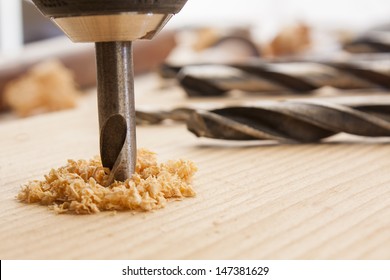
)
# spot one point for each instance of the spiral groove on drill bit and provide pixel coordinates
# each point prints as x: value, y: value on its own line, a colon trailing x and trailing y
x: 375, y: 41
x: 292, y: 121
x: 287, y: 77
x: 157, y: 117
x: 288, y: 121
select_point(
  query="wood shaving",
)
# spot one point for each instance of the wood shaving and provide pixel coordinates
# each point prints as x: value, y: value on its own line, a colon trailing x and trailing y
x: 291, y: 40
x: 48, y: 86
x: 79, y: 188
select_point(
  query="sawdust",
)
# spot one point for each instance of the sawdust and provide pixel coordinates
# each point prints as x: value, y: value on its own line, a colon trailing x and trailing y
x: 291, y: 40
x: 79, y: 188
x: 46, y: 87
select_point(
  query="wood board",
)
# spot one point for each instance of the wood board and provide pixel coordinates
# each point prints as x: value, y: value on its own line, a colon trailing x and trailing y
x: 258, y: 200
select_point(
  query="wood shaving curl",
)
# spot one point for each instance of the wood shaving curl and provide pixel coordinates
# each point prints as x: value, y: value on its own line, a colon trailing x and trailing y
x: 79, y: 188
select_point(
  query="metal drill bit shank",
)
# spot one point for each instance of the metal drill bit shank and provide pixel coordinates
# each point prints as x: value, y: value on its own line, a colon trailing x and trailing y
x: 116, y: 108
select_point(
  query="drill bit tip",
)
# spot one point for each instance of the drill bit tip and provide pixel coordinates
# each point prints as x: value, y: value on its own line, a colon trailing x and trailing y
x: 116, y: 108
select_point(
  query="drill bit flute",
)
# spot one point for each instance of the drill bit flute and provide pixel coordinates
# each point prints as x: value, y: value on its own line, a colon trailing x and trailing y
x: 292, y: 77
x: 288, y: 121
x: 113, y: 25
x: 116, y: 108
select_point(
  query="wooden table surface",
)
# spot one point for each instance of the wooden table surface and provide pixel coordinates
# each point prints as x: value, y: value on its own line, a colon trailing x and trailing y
x: 258, y: 200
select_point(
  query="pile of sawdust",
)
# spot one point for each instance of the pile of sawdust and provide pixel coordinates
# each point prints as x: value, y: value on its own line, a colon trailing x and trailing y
x: 46, y: 87
x: 79, y: 188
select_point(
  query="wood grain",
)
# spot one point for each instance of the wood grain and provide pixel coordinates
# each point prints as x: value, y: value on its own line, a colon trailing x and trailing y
x: 257, y: 200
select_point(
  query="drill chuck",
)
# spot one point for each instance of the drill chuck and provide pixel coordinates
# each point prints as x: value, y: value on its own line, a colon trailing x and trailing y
x: 66, y: 8
x: 108, y: 21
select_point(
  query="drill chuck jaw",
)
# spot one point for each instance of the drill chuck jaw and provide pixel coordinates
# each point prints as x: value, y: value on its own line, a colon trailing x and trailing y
x: 107, y: 21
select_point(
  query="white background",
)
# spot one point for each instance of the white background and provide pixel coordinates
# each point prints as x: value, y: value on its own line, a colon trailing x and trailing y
x: 112, y: 270
x: 265, y: 16
x: 355, y: 13
x: 268, y: 15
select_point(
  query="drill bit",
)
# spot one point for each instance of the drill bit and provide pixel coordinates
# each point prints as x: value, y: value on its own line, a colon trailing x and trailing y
x: 116, y: 108
x: 293, y: 77
x: 288, y: 121
x: 372, y: 42
x: 157, y: 117
x: 292, y: 121
x: 113, y: 25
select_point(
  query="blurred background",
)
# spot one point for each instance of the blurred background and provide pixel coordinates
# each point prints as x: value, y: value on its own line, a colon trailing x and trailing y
x: 218, y: 31
x: 21, y: 22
